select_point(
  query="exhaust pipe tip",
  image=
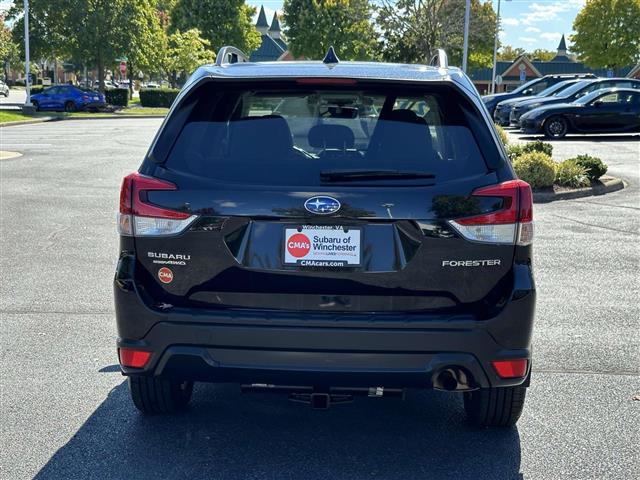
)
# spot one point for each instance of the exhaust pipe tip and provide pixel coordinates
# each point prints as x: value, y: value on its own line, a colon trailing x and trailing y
x: 446, y: 380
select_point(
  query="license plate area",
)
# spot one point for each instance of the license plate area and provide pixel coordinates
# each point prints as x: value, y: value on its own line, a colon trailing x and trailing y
x: 324, y: 246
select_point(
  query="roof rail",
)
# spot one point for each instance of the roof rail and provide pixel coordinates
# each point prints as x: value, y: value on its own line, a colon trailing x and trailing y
x: 440, y: 59
x: 229, y: 54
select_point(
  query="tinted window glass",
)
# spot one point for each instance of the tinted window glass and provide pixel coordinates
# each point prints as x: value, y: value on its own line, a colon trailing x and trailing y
x: 289, y: 137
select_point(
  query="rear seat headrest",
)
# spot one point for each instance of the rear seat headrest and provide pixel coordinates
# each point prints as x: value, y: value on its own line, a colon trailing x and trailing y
x: 331, y: 136
x: 259, y: 137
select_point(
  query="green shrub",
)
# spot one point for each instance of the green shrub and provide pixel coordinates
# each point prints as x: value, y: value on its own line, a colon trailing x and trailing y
x: 593, y: 165
x: 502, y: 134
x: 535, y: 168
x: 570, y: 174
x: 158, y: 97
x: 35, y: 90
x: 117, y: 96
x: 515, y: 151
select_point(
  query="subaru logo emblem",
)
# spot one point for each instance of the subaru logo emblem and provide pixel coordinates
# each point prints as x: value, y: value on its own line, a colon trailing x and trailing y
x: 322, y: 205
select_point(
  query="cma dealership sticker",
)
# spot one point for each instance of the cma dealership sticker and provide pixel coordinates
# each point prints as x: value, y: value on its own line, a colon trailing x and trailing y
x: 165, y: 275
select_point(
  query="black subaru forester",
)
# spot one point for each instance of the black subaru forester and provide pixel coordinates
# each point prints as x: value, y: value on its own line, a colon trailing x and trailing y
x: 327, y: 229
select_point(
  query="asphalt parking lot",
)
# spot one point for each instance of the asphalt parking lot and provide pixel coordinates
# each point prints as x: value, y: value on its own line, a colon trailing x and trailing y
x: 65, y: 411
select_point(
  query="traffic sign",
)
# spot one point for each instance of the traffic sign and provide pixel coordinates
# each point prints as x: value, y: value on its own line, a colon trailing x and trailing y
x: 498, y: 79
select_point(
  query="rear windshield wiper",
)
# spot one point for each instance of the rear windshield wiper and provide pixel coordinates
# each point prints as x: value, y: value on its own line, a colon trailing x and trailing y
x: 355, y: 175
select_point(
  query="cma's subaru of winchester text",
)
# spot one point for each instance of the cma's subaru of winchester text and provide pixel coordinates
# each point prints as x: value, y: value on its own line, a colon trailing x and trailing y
x: 327, y: 229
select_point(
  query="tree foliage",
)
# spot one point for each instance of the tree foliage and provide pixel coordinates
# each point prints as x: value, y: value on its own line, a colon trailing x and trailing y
x: 608, y: 33
x: 414, y: 29
x: 187, y: 51
x: 46, y: 33
x: 508, y: 53
x: 312, y: 26
x: 221, y: 22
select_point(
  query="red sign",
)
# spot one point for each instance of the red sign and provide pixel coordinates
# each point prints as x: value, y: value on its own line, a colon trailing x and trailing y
x: 123, y: 67
x: 298, y: 245
x: 165, y: 275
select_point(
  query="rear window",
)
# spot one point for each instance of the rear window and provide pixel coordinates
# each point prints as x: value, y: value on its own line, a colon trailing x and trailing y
x: 295, y: 136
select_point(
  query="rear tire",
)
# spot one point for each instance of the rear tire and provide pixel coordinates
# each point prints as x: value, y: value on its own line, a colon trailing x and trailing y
x: 69, y: 107
x: 495, y: 407
x: 35, y: 105
x: 158, y: 395
x: 555, y: 127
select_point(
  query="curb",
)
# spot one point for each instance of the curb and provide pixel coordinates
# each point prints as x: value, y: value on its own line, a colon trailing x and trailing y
x: 57, y: 119
x: 600, y: 187
x: 28, y: 122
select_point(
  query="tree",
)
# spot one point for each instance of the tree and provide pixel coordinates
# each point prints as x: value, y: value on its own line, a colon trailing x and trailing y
x: 9, y: 50
x: 608, y: 33
x: 312, y: 26
x: 508, y: 53
x: 414, y: 29
x: 541, y: 54
x: 96, y: 31
x: 46, y: 31
x: 221, y: 22
x: 187, y: 51
x: 145, y: 43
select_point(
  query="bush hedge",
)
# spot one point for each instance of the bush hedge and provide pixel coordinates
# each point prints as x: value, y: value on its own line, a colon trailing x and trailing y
x: 502, y: 134
x: 594, y: 167
x: 158, y: 97
x: 515, y: 151
x: 535, y: 168
x: 117, y: 96
x: 570, y: 174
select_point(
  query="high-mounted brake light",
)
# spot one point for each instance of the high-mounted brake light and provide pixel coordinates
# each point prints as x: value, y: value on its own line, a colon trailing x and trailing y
x: 511, y: 368
x: 138, y: 217
x: 130, y: 357
x: 326, y: 81
x: 512, y: 224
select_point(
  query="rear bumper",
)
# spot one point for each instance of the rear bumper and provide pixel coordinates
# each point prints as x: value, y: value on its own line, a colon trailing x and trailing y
x: 326, y: 350
x: 501, y: 117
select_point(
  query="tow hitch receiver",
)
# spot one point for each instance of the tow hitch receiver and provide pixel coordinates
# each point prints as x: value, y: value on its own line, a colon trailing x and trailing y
x: 322, y: 399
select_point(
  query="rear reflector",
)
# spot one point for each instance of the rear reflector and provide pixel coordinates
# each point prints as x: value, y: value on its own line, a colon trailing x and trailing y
x: 130, y: 357
x: 138, y: 217
x: 511, y: 368
x: 512, y: 224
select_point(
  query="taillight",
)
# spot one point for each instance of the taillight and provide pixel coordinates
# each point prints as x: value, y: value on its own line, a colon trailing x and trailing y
x: 137, y: 217
x: 512, y: 224
x: 511, y: 368
x: 130, y: 357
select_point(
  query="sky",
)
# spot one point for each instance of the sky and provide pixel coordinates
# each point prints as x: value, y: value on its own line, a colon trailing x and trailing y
x: 526, y: 24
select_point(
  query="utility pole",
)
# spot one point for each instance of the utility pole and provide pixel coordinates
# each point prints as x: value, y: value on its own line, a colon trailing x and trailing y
x: 465, y: 51
x: 495, y: 52
x: 27, y: 103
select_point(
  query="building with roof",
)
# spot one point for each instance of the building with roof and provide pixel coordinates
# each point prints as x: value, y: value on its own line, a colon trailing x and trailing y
x: 522, y: 69
x: 273, y: 46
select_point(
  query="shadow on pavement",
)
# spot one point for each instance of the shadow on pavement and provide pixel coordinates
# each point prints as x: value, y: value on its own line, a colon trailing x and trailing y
x: 227, y: 435
x: 579, y: 138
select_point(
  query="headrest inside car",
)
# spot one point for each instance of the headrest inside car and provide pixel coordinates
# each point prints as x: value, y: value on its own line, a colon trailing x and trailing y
x: 331, y: 136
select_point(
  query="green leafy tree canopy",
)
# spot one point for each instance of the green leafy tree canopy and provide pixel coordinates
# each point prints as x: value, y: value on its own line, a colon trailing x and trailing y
x: 608, y: 33
x: 221, y: 22
x: 312, y: 26
x: 414, y: 29
x: 187, y: 51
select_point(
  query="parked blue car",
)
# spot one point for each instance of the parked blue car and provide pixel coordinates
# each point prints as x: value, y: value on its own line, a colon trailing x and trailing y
x: 68, y: 98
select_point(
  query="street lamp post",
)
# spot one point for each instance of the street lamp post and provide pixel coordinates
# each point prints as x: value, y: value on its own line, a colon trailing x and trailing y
x: 27, y: 103
x: 495, y: 51
x: 465, y: 48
